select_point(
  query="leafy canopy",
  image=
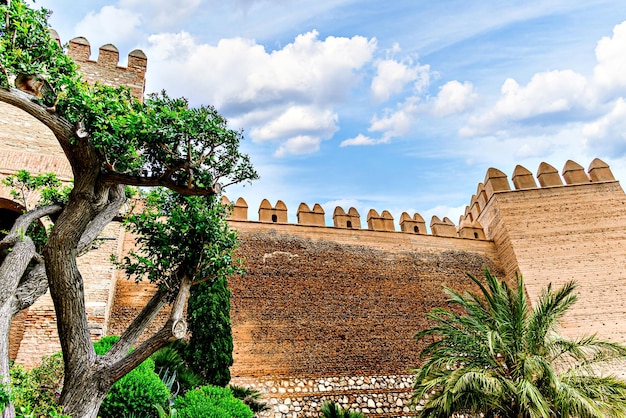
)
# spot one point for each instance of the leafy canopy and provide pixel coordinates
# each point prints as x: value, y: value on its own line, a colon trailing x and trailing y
x: 161, y: 141
x: 180, y: 235
x: 501, y: 358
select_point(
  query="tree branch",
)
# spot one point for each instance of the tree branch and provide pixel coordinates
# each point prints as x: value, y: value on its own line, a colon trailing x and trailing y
x: 175, y: 328
x: 136, y: 328
x: 31, y: 287
x: 116, y: 199
x: 58, y: 125
x: 22, y: 223
x: 112, y: 178
x: 14, y: 266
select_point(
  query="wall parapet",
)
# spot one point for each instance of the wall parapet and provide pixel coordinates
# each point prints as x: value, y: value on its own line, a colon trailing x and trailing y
x: 106, y: 69
x: 548, y: 176
x: 468, y: 227
x: 351, y: 219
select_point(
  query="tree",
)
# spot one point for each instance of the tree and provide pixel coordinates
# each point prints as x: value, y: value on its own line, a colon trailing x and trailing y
x: 210, y: 348
x: 503, y: 359
x: 111, y: 140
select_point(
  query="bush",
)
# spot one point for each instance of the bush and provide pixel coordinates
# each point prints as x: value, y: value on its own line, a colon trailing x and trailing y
x: 5, y: 396
x: 168, y: 361
x: 134, y: 394
x: 211, y: 402
x: 36, y: 391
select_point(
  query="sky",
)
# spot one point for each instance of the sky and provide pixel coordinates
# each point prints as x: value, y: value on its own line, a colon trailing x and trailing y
x: 396, y: 105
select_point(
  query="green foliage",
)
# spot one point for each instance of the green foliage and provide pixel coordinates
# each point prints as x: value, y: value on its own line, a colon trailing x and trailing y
x: 211, y: 402
x: 180, y: 235
x: 210, y: 349
x: 53, y: 412
x: 169, y: 364
x: 166, y: 413
x: 36, y: 391
x: 251, y: 397
x: 134, y: 394
x: 5, y: 396
x: 502, y: 358
x: 26, y: 47
x: 189, y: 236
x: 333, y: 410
x: 162, y: 136
x: 24, y: 185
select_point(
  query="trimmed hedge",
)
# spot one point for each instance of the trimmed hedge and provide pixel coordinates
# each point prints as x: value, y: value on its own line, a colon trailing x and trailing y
x: 211, y: 402
x: 134, y: 394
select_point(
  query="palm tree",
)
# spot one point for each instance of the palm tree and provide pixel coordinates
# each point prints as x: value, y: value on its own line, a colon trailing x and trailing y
x: 500, y: 358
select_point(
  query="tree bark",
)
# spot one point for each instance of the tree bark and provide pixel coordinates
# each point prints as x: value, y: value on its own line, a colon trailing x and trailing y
x: 18, y: 289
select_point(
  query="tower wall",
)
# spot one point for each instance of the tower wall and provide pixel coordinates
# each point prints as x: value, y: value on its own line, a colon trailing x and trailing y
x: 563, y: 233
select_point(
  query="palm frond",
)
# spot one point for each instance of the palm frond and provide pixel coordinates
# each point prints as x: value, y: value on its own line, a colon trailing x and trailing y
x: 501, y: 358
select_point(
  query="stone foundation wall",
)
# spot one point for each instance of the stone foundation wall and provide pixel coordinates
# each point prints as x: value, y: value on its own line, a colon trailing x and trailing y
x: 382, y: 396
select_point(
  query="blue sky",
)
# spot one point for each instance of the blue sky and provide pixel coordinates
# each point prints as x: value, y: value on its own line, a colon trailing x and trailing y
x: 399, y: 105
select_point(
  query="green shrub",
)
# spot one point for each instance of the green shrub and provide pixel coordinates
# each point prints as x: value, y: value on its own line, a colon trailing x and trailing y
x: 36, y: 391
x: 134, y: 394
x: 168, y: 361
x: 211, y: 402
x: 5, y: 396
x: 251, y: 397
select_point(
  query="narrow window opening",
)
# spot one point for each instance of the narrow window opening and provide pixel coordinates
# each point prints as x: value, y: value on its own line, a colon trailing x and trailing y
x: 274, y: 218
x: 416, y: 229
x: 476, y: 235
x: 349, y: 224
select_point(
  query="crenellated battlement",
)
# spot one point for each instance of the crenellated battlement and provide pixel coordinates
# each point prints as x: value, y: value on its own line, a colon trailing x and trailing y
x: 496, y: 181
x: 352, y: 219
x: 106, y: 69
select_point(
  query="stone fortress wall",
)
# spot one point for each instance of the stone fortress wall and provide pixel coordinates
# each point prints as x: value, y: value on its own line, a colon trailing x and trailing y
x: 328, y: 312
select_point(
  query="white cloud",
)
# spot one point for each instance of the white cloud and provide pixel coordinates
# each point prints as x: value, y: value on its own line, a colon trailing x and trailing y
x: 360, y: 139
x: 547, y: 92
x: 608, y: 134
x: 297, y: 120
x: 396, y: 123
x: 534, y: 147
x: 454, y: 97
x: 609, y: 75
x: 393, y: 76
x: 301, y: 144
x: 296, y: 87
x: 110, y: 25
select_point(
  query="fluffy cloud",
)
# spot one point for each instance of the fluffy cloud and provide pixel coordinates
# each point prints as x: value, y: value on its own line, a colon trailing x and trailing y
x: 546, y: 93
x: 608, y: 134
x: 360, y: 139
x: 296, y: 87
x: 454, y: 97
x: 398, y: 122
x: 393, y: 76
x: 298, y: 120
x: 609, y: 76
x: 558, y: 101
x: 110, y: 25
